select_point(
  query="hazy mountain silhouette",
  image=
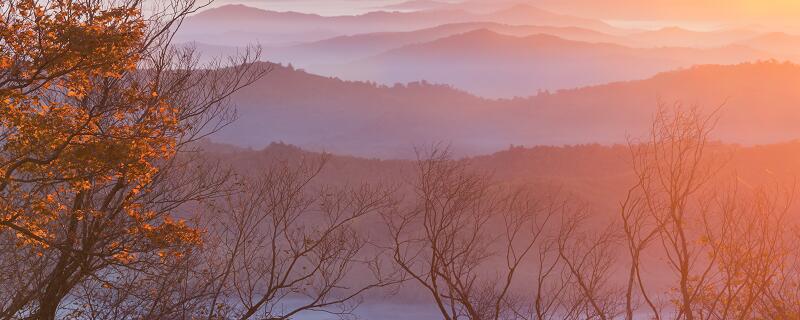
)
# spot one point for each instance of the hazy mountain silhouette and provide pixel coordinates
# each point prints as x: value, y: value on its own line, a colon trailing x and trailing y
x: 349, y: 48
x: 416, y: 5
x: 467, y: 5
x: 496, y: 65
x: 238, y: 25
x: 523, y: 14
x: 679, y: 37
x: 595, y: 173
x: 362, y: 118
x: 366, y: 119
x: 758, y: 104
x: 777, y: 42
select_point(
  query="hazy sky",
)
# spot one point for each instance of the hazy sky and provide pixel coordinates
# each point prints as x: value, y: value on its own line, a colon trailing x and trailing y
x: 778, y: 12
x: 699, y: 12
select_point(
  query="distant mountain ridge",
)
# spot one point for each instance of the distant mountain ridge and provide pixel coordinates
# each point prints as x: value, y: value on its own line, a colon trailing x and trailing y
x: 361, y: 118
x: 496, y: 65
x: 517, y: 50
x: 778, y: 42
x: 501, y: 60
x: 350, y: 48
x: 214, y: 23
x: 596, y: 173
x: 680, y: 37
x: 415, y: 5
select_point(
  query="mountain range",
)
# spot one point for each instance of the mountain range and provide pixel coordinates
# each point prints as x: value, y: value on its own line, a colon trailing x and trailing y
x: 350, y: 48
x: 495, y: 65
x: 231, y: 24
x: 324, y: 113
x: 379, y: 83
x: 532, y: 50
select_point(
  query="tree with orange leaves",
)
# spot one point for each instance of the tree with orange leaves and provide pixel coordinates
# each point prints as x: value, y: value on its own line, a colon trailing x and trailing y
x: 96, y: 108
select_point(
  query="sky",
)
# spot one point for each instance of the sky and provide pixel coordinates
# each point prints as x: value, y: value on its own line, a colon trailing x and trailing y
x: 743, y: 12
x: 723, y: 13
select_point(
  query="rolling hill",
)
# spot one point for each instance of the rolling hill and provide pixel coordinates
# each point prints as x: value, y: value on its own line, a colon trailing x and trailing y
x: 238, y: 25
x: 345, y: 49
x: 778, y: 42
x: 495, y: 65
x: 359, y: 118
x: 596, y: 174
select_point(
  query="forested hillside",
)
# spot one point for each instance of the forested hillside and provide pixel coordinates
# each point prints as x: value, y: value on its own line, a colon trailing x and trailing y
x: 757, y: 101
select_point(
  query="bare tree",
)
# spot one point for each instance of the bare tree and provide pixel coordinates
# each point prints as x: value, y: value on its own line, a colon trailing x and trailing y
x: 279, y: 248
x: 724, y: 247
x: 727, y: 247
x: 466, y: 240
x: 587, y: 253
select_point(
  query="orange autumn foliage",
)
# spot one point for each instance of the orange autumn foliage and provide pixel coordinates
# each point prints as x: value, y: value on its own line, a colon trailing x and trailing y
x: 82, y: 135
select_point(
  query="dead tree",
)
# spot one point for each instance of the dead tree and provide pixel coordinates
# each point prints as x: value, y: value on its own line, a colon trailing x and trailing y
x: 280, y: 246
x: 723, y: 247
x: 465, y: 241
